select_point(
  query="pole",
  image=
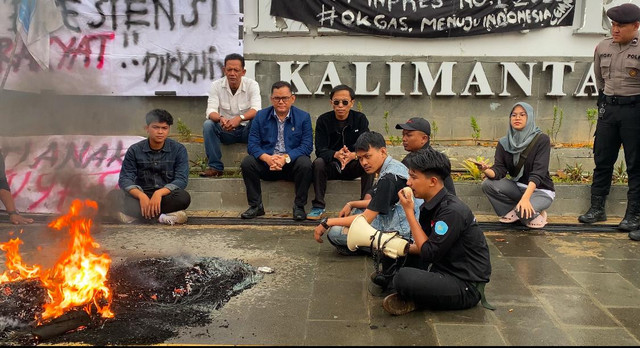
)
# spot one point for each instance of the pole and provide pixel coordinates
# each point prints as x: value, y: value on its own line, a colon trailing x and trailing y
x: 6, y: 73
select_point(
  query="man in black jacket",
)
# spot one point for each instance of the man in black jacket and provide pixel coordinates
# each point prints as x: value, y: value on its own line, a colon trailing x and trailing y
x: 336, y: 134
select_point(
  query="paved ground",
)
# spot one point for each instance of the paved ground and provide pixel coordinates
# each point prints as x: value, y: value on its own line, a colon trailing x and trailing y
x: 551, y: 288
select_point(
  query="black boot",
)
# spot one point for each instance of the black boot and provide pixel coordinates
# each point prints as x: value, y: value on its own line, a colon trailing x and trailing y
x: 596, y: 212
x: 631, y: 220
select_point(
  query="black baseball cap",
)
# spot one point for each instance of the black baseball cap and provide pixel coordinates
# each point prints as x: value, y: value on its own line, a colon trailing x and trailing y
x: 416, y: 123
x: 625, y: 13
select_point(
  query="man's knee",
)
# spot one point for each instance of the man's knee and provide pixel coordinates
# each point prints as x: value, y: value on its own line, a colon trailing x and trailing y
x: 319, y: 165
x: 210, y: 127
x: 182, y: 198
x: 336, y: 236
x: 303, y: 163
x: 248, y: 163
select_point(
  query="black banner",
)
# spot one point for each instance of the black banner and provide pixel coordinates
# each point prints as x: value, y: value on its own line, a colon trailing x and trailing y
x: 427, y: 18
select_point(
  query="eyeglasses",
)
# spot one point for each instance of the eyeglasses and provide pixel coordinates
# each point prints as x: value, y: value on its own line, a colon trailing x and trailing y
x: 344, y: 102
x: 281, y: 99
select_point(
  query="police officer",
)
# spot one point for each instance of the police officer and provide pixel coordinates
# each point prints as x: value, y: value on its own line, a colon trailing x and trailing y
x: 448, y: 263
x: 617, y: 71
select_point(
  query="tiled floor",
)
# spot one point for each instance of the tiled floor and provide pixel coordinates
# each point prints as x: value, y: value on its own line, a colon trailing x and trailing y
x: 549, y: 288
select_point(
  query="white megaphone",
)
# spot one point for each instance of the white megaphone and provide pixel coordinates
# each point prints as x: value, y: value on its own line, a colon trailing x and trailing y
x: 361, y: 234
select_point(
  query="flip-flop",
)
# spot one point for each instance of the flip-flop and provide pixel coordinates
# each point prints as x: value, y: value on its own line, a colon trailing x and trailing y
x: 539, y: 221
x: 510, y: 217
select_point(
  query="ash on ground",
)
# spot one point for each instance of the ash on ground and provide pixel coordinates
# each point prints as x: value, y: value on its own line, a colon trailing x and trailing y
x: 153, y: 299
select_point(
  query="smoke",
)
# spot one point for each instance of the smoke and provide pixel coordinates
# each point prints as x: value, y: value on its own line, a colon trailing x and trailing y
x: 10, y: 323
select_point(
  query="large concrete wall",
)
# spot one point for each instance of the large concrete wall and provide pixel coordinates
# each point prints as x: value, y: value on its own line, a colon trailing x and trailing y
x: 268, y: 47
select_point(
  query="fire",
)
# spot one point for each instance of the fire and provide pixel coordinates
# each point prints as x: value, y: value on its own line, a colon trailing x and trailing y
x: 79, y: 277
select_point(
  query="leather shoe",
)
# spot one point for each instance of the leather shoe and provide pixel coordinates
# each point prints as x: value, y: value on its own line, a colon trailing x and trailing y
x: 634, y: 235
x: 299, y: 214
x: 253, y: 212
x: 210, y: 172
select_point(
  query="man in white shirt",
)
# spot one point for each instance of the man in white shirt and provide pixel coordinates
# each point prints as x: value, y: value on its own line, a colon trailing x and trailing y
x: 232, y: 104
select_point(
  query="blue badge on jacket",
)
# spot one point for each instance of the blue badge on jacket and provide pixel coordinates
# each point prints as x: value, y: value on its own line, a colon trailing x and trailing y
x: 441, y: 228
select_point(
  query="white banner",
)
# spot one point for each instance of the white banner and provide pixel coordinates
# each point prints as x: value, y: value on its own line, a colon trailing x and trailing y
x: 123, y: 47
x: 46, y: 173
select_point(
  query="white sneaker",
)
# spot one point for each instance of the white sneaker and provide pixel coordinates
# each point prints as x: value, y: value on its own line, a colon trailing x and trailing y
x: 177, y: 217
x: 124, y: 218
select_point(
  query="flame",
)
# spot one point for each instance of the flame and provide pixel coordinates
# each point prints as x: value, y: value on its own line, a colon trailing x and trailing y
x: 16, y: 270
x: 79, y: 277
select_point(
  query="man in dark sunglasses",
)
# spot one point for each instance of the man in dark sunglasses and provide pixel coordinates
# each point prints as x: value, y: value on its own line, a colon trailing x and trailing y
x: 335, y: 138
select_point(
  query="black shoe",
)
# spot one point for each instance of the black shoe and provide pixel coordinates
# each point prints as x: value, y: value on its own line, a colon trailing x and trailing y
x: 634, y: 235
x: 253, y: 212
x: 596, y: 212
x: 631, y: 220
x: 299, y: 214
x: 344, y: 251
x: 378, y: 291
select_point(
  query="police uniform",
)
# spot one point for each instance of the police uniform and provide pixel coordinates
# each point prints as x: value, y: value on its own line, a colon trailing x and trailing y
x: 454, y: 263
x: 617, y: 72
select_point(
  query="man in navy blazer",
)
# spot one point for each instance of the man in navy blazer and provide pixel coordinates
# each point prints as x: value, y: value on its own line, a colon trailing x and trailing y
x: 280, y: 145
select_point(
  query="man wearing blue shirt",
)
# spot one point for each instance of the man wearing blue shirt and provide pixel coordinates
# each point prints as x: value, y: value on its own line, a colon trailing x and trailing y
x: 154, y: 175
x: 280, y: 145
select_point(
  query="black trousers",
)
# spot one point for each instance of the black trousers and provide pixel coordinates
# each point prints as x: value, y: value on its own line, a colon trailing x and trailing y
x: 433, y: 290
x: 178, y: 199
x: 323, y: 172
x: 618, y: 125
x: 299, y: 171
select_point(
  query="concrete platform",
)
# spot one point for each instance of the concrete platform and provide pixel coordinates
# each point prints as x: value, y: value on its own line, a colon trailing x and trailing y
x: 229, y: 195
x: 549, y: 288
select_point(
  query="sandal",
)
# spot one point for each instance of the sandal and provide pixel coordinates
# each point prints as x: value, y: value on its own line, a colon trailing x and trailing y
x: 539, y: 221
x: 510, y: 217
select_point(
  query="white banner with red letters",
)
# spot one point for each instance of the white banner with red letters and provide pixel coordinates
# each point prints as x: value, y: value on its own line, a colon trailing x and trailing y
x: 46, y: 173
x: 118, y: 47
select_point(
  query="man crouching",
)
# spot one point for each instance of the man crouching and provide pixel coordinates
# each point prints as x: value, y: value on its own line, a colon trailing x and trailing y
x: 446, y: 236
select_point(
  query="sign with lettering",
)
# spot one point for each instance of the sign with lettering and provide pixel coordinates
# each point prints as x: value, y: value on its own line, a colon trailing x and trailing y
x: 427, y: 18
x: 123, y: 47
x: 46, y: 172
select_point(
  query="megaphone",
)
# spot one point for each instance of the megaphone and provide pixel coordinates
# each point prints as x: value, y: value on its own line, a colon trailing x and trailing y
x: 361, y: 234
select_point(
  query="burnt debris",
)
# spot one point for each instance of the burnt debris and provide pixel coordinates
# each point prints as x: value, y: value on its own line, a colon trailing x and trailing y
x: 152, y: 299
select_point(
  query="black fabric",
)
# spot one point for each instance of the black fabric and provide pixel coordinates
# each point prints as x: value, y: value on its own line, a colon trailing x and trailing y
x: 178, y: 199
x: 435, y: 290
x: 523, y: 156
x: 456, y: 244
x: 329, y: 137
x: 299, y: 171
x: 536, y: 167
x: 322, y: 172
x: 4, y: 184
x: 617, y: 125
x: 384, y: 193
x: 410, y: 19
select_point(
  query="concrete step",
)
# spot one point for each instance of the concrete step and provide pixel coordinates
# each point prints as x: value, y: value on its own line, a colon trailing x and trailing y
x: 560, y: 158
x: 229, y: 195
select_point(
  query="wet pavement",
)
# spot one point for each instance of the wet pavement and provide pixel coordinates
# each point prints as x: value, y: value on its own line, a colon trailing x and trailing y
x: 550, y: 288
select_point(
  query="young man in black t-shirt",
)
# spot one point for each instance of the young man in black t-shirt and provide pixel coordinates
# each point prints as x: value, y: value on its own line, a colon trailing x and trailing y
x: 382, y: 211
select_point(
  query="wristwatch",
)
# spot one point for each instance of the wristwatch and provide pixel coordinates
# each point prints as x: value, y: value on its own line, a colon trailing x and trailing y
x: 324, y: 223
x: 242, y: 117
x: 287, y: 159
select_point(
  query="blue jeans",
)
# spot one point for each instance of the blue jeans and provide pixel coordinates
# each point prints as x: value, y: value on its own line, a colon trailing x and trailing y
x: 214, y: 135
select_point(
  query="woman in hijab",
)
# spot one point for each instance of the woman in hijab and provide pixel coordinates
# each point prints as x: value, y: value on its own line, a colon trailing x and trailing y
x: 529, y: 191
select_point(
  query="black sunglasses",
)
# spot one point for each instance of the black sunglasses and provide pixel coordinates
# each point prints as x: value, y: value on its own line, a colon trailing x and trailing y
x: 344, y: 102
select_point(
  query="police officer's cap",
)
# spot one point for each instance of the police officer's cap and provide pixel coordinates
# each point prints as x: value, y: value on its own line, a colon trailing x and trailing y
x: 625, y: 13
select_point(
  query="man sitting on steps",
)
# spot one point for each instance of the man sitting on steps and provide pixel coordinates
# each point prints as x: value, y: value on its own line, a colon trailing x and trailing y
x: 232, y: 104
